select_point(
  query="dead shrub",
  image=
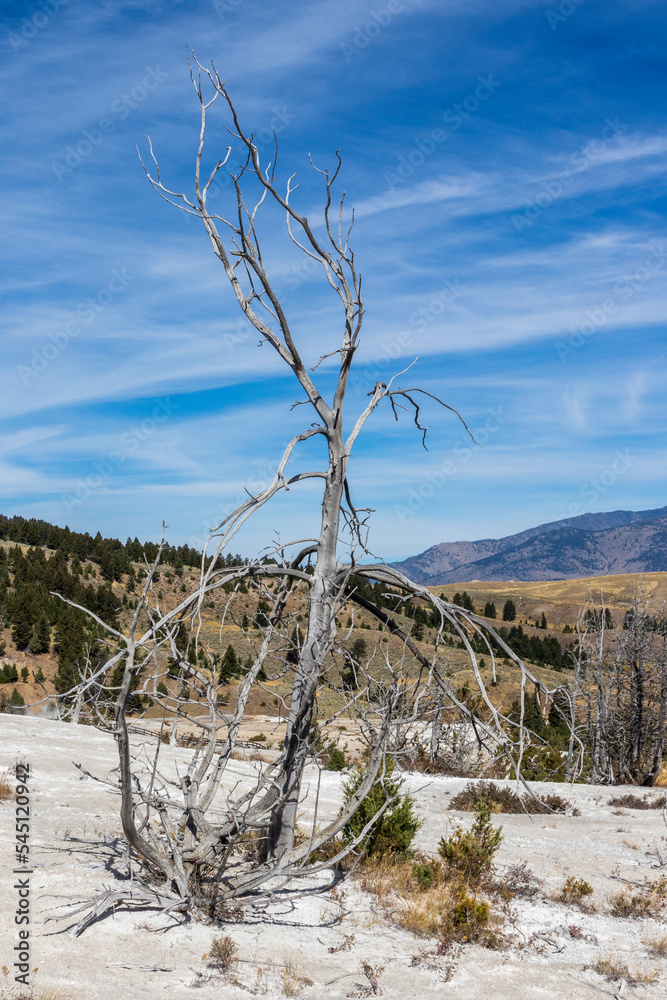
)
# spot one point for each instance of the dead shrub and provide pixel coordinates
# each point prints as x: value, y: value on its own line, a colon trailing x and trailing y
x: 504, y: 800
x: 373, y: 974
x: 645, y: 901
x: 575, y: 891
x: 631, y: 801
x: 449, y: 764
x: 222, y: 954
x: 346, y: 944
x: 205, y: 889
x: 613, y: 970
x: 520, y: 880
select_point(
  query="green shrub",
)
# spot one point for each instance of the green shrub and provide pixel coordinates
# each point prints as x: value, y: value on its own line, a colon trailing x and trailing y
x: 543, y: 763
x: 16, y: 700
x: 394, y: 831
x: 337, y: 761
x: 575, y: 890
x: 468, y: 854
x: 470, y: 914
x: 162, y: 688
x: 426, y: 873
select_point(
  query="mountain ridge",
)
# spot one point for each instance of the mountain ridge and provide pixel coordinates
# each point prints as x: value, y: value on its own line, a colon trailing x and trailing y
x: 591, y: 544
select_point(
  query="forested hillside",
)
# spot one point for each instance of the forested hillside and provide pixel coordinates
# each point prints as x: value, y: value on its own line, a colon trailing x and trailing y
x: 45, y: 639
x: 38, y: 561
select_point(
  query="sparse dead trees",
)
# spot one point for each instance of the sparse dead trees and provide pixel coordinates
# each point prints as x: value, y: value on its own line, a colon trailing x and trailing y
x: 620, y: 677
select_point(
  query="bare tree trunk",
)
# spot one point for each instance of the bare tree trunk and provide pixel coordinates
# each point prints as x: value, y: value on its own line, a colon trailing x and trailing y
x: 435, y: 727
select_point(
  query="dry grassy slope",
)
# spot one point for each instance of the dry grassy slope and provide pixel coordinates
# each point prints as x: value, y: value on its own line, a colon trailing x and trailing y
x: 560, y: 601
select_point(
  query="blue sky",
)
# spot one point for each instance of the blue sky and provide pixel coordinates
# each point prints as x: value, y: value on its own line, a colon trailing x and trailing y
x: 507, y: 161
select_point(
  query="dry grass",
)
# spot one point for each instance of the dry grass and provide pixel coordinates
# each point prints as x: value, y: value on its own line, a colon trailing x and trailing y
x: 293, y: 977
x: 613, y: 970
x: 42, y: 993
x: 657, y: 945
x: 648, y: 900
x: 426, y: 914
x: 443, y: 908
x: 6, y: 788
x: 52, y: 993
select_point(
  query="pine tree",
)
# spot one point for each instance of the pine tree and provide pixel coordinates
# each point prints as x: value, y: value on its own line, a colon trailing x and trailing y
x: 16, y: 700
x: 466, y: 601
x: 229, y: 665
x: 69, y: 644
x: 509, y: 611
x: 489, y: 610
x: 294, y: 651
x: 543, y: 621
x: 394, y: 831
x: 40, y: 638
x: 22, y: 619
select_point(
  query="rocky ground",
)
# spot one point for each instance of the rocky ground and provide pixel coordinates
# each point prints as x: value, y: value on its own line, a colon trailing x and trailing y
x: 316, y: 946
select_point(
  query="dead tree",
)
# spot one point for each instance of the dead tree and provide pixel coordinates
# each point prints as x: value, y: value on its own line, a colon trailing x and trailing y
x: 190, y: 831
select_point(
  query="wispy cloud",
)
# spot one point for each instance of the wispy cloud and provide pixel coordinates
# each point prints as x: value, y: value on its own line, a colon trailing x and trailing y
x: 449, y: 273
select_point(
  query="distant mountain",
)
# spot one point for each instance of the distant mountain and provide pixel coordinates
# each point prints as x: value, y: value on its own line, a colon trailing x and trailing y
x: 621, y: 541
